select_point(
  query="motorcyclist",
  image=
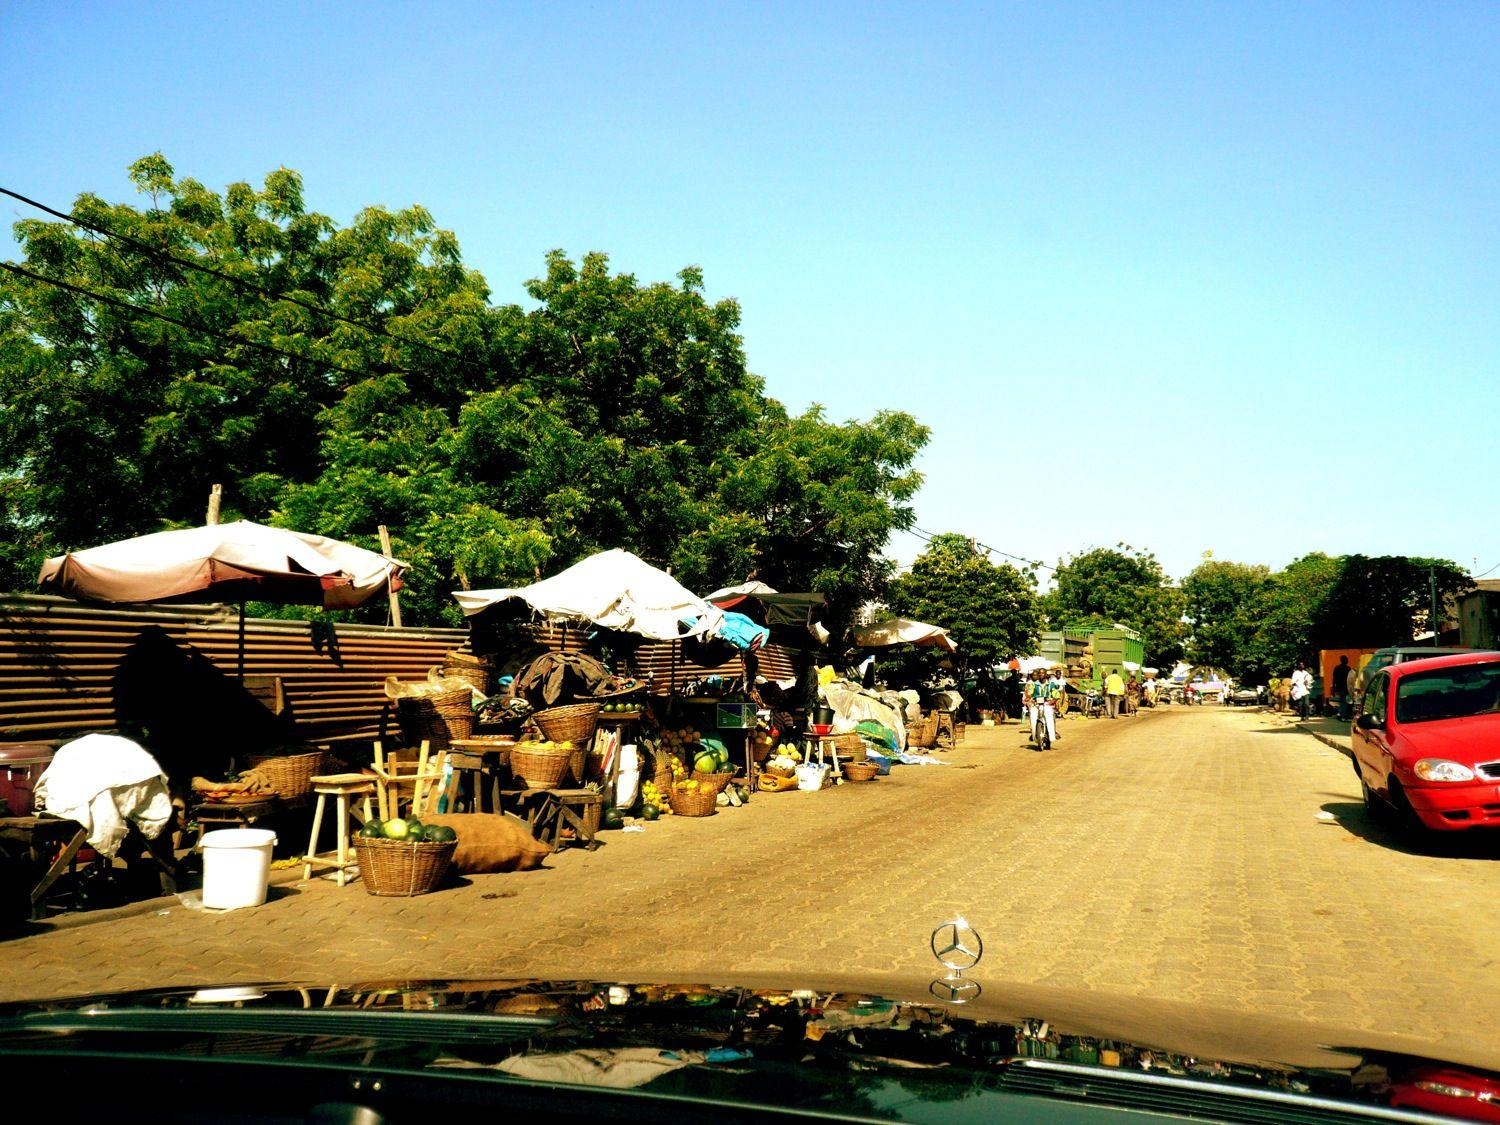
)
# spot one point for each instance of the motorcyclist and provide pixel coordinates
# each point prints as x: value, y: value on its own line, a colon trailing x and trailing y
x: 1041, y: 696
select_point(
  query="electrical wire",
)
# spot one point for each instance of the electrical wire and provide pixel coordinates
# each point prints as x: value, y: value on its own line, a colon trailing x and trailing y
x: 1490, y: 571
x: 922, y: 533
x: 238, y: 282
x: 928, y: 536
x: 103, y: 298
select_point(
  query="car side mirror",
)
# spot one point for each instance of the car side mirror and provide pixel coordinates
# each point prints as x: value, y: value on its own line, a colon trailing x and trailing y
x: 1368, y: 722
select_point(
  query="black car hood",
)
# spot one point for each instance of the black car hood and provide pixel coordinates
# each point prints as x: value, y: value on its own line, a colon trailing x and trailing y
x: 825, y: 1046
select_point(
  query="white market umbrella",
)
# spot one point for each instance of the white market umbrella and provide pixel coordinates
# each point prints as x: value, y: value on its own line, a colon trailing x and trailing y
x: 227, y: 562
x: 614, y: 590
x: 900, y: 630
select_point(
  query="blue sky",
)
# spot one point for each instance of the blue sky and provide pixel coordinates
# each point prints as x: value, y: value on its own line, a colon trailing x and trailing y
x: 1191, y: 277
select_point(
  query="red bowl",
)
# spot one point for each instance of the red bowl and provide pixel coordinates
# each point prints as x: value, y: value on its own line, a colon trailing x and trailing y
x: 822, y: 729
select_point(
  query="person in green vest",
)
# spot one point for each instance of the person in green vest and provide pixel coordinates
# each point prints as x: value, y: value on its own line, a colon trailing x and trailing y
x: 1114, y: 692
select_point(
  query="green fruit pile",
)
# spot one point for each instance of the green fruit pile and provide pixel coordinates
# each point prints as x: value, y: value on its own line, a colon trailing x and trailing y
x: 409, y: 829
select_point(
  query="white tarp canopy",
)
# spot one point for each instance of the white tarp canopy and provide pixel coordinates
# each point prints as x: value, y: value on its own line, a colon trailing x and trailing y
x: 239, y: 561
x: 614, y: 590
x: 899, y: 631
x: 1030, y: 664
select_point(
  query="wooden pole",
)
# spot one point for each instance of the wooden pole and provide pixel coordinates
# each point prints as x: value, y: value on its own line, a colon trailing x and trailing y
x: 395, y: 596
x: 215, y: 495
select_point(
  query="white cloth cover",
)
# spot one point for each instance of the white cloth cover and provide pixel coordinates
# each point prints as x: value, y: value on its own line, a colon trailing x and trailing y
x: 262, y: 563
x: 853, y: 705
x: 614, y: 590
x: 104, y: 782
x: 900, y: 630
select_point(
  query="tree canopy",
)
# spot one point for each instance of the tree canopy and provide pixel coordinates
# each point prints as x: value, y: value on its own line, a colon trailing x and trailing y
x: 990, y: 609
x: 1258, y: 624
x: 1120, y: 585
x: 338, y: 378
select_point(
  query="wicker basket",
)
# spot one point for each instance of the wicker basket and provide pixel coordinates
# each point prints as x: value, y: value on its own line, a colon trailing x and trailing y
x: 718, y: 782
x: 540, y: 769
x: 702, y: 801
x: 437, y: 719
x: 574, y: 723
x: 922, y: 735
x: 861, y: 771
x: 290, y: 775
x: 472, y: 669
x: 401, y: 868
x: 778, y: 771
x: 850, y: 745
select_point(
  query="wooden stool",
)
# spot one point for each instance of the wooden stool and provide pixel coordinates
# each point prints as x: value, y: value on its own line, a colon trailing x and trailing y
x: 554, y: 809
x: 342, y: 786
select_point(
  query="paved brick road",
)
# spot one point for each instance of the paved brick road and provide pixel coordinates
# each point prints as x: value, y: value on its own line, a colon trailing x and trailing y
x: 1216, y: 857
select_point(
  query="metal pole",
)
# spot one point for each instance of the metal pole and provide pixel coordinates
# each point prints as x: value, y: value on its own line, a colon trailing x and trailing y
x: 1432, y: 586
x: 242, y: 644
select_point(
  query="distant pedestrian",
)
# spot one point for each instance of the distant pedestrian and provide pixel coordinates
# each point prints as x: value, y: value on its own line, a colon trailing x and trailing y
x: 1114, y: 692
x: 1132, y: 695
x: 1341, y: 687
x: 1302, y: 689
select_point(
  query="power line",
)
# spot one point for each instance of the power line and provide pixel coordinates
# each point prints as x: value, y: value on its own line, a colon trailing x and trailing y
x: 1490, y: 571
x: 238, y: 282
x: 928, y: 536
x: 11, y: 267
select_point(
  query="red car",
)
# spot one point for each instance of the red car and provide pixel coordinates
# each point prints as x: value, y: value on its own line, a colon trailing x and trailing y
x: 1426, y: 742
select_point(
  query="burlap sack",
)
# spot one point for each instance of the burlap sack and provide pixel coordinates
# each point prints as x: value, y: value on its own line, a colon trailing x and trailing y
x: 491, y: 842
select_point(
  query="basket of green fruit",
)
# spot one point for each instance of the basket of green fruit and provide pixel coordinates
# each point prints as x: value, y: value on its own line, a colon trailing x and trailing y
x: 401, y: 858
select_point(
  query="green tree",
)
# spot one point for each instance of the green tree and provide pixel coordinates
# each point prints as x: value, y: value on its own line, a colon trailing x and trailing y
x: 1290, y: 607
x: 131, y: 382
x: 1380, y: 601
x: 1119, y: 586
x: 337, y: 378
x: 1223, y: 603
x: 991, y: 610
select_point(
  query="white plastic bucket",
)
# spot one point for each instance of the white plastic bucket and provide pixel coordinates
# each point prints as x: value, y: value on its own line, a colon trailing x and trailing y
x: 236, y: 867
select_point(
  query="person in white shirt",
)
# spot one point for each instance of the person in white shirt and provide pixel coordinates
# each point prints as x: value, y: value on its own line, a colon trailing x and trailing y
x: 1302, y: 689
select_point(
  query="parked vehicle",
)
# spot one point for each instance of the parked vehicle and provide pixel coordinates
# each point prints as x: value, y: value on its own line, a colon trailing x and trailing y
x: 1398, y: 654
x: 1426, y: 742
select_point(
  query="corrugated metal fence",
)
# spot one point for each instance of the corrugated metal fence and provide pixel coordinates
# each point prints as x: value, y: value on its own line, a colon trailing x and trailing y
x: 67, y: 667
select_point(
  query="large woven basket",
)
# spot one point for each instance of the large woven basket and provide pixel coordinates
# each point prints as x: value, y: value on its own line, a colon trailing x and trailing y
x: 850, y: 745
x: 463, y: 666
x: 289, y: 775
x: 437, y: 719
x: 401, y: 868
x: 718, y: 782
x: 922, y: 735
x: 702, y: 801
x: 573, y: 723
x: 861, y: 771
x: 540, y: 769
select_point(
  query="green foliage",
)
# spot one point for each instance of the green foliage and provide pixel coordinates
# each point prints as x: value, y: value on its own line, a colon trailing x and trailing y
x: 1259, y: 624
x: 340, y: 378
x: 991, y: 610
x: 1107, y: 586
x: 1223, y: 603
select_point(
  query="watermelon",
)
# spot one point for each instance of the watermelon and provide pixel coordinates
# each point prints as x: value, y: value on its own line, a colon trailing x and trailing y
x: 706, y: 762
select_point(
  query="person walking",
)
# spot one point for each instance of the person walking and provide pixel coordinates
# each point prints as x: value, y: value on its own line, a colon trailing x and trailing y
x: 1341, y: 687
x: 1132, y: 695
x: 1302, y: 690
x: 1114, y: 691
